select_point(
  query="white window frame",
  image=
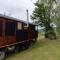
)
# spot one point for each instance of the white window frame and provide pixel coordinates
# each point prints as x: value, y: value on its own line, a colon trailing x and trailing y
x: 19, y: 25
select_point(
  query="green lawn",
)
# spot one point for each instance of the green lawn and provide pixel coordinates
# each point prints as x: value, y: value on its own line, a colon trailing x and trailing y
x: 43, y: 49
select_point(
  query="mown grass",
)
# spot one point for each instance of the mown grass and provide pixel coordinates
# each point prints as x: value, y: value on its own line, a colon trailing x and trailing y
x: 43, y: 49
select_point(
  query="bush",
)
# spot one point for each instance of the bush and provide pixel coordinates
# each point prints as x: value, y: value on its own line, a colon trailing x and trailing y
x: 50, y: 34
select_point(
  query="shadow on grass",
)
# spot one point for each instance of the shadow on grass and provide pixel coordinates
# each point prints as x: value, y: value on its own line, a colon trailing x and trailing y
x: 40, y: 43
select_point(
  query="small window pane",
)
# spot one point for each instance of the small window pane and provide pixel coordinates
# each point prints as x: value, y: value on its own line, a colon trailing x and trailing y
x: 19, y: 26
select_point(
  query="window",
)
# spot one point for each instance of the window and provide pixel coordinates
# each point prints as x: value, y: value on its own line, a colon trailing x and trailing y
x: 10, y: 28
x: 36, y: 28
x: 19, y: 26
x: 25, y: 26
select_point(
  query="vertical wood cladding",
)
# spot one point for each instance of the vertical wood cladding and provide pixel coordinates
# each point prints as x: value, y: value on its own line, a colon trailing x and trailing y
x: 13, y: 31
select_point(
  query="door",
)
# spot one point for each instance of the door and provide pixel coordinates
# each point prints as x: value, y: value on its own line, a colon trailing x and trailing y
x: 10, y: 32
x: 21, y: 34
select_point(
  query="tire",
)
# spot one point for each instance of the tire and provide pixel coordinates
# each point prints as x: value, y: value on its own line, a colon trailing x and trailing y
x: 17, y: 49
x: 25, y: 46
x: 2, y: 55
x: 34, y: 40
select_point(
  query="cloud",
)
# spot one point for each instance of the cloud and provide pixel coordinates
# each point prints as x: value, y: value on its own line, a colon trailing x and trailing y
x: 16, y: 8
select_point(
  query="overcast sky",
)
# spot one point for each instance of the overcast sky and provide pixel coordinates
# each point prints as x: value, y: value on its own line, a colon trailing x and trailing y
x: 16, y: 8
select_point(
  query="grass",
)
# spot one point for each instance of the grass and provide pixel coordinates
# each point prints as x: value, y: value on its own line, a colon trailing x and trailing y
x: 43, y: 49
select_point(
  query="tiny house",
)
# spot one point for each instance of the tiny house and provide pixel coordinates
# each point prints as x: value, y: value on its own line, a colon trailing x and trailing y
x: 15, y: 33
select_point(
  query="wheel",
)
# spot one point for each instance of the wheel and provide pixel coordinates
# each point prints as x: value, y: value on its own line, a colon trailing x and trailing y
x: 34, y: 40
x: 2, y: 55
x: 25, y: 45
x: 17, y: 49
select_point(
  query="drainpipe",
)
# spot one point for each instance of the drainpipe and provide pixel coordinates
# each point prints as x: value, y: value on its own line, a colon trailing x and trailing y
x: 27, y: 18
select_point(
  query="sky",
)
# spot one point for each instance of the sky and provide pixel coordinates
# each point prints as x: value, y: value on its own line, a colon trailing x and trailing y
x: 17, y: 8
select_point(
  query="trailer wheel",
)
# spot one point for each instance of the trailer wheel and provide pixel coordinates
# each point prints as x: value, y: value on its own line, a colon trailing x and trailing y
x: 25, y: 46
x: 34, y: 40
x: 2, y: 55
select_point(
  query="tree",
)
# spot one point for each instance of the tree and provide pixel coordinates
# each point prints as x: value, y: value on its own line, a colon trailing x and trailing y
x: 42, y: 15
x: 56, y: 15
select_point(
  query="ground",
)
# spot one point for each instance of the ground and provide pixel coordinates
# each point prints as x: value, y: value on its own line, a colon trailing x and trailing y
x: 43, y: 49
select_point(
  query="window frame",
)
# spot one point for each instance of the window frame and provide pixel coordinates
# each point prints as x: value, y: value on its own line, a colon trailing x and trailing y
x: 10, y: 29
x: 19, y: 25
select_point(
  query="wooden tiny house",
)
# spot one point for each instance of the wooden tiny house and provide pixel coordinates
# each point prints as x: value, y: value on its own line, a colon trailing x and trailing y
x: 14, y: 32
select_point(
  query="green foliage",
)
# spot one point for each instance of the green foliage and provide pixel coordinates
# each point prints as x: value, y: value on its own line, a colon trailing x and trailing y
x: 58, y: 31
x: 43, y: 49
x: 42, y: 15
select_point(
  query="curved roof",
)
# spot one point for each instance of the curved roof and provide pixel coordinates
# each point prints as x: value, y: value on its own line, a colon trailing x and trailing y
x: 12, y: 18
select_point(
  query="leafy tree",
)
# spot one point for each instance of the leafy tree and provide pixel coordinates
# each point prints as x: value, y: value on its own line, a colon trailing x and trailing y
x: 42, y: 15
x: 55, y: 16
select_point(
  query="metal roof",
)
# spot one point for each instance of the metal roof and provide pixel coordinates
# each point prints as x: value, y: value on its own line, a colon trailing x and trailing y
x: 12, y: 18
